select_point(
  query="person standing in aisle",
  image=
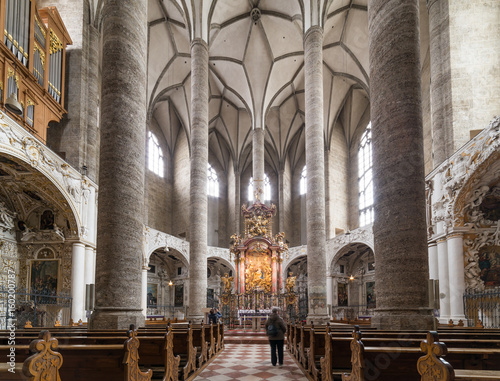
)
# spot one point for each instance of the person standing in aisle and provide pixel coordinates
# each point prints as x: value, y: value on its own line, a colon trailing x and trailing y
x: 275, y: 329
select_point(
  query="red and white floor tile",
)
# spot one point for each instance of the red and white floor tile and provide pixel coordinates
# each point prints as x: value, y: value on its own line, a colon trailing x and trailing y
x: 250, y: 362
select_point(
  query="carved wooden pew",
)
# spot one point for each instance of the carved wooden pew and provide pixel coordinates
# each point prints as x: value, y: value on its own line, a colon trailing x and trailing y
x: 432, y: 366
x: 316, y: 350
x: 184, y: 348
x: 79, y: 363
x: 200, y: 343
x: 398, y: 362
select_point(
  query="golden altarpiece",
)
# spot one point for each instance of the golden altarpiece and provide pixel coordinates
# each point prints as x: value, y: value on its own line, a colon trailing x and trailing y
x: 258, y: 257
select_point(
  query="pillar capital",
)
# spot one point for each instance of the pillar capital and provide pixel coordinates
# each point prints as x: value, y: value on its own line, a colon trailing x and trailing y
x: 455, y: 235
x: 200, y: 42
x: 313, y: 29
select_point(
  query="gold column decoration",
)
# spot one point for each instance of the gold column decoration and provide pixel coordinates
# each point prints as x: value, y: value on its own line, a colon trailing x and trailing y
x: 41, y: 52
x: 55, y: 43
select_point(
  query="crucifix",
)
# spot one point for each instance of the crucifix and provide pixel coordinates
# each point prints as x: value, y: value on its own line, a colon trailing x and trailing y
x: 258, y: 189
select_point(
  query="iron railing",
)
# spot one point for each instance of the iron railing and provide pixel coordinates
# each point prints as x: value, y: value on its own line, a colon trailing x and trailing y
x: 484, y: 306
x: 41, y: 308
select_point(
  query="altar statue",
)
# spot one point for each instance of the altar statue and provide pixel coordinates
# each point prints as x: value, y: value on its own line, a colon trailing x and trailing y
x: 227, y: 280
x: 290, y: 282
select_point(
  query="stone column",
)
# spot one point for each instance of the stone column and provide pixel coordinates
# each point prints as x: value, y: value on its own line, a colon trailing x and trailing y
x: 440, y: 84
x: 315, y: 161
x: 444, y: 281
x: 258, y: 158
x: 89, y: 265
x: 237, y: 201
x: 89, y: 273
x: 455, y: 243
x: 144, y: 293
x: 77, y: 281
x: 121, y: 166
x: 198, y: 190
x: 281, y: 201
x: 329, y: 290
x: 433, y: 261
x: 398, y: 166
x: 92, y: 153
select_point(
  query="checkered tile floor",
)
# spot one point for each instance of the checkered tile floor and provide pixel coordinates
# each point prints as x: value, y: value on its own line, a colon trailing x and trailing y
x: 250, y: 363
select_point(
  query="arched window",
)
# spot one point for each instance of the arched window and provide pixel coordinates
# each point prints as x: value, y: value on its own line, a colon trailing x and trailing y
x: 213, y: 182
x: 303, y: 181
x: 365, y: 178
x: 267, y: 189
x: 155, y: 155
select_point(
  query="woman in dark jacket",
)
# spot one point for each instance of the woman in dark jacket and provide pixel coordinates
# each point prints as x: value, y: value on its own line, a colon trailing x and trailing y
x: 212, y: 317
x: 276, y: 341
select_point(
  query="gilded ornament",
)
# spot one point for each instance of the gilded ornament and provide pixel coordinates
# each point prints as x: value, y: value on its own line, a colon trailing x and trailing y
x: 41, y: 52
x: 55, y: 43
x: 42, y: 28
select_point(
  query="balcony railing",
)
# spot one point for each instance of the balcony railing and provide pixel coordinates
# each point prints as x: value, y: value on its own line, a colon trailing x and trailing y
x: 32, y: 63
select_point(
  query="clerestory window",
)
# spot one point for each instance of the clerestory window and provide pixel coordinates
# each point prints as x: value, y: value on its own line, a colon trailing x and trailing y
x: 155, y: 155
x: 365, y: 176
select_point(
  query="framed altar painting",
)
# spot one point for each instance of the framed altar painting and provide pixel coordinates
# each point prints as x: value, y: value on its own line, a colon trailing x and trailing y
x: 44, y: 276
x: 342, y: 295
x: 370, y: 295
x: 152, y: 293
x: 179, y: 295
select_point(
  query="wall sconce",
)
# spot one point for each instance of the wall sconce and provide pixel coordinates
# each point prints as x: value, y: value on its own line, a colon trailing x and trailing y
x: 170, y: 283
x: 351, y: 277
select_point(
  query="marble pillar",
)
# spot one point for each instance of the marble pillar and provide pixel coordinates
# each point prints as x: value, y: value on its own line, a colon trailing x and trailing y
x: 433, y: 261
x: 89, y: 272
x: 198, y: 185
x: 398, y: 166
x: 258, y: 159
x: 455, y: 246
x: 315, y: 161
x: 89, y: 265
x: 78, y: 281
x: 444, y: 281
x: 121, y: 166
x: 144, y: 293
x: 329, y: 290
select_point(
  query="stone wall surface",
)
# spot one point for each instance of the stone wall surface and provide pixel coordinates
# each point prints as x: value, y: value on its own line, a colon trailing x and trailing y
x: 475, y: 67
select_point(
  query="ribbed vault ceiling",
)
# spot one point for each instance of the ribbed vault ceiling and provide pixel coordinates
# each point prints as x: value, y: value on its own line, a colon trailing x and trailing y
x: 256, y: 74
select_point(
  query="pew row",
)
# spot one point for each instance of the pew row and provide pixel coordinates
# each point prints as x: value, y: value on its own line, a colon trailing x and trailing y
x: 400, y: 362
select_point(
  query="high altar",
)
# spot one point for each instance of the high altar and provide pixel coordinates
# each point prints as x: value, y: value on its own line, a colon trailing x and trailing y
x: 258, y: 256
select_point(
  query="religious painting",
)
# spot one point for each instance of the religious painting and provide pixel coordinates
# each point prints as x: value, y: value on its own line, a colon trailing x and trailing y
x: 370, y: 295
x: 152, y: 294
x: 258, y: 272
x: 342, y: 295
x: 179, y: 295
x: 489, y: 265
x: 44, y: 276
x: 47, y: 220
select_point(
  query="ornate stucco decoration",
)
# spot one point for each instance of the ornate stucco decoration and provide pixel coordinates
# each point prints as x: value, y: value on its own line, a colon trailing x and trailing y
x: 473, y: 246
x: 361, y: 235
x: 19, y: 143
x: 454, y: 180
x: 6, y: 218
x: 155, y: 239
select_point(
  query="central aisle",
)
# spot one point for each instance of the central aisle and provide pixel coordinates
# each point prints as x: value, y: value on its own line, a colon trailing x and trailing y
x: 250, y: 362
